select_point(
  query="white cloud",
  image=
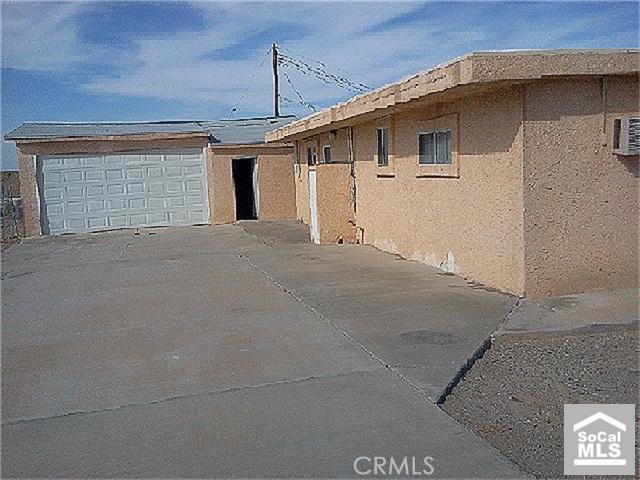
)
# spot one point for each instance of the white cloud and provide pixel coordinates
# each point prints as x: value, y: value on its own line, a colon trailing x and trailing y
x: 42, y: 37
x: 176, y: 67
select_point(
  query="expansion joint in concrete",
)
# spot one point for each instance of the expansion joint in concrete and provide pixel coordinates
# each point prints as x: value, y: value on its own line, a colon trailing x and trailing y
x: 392, y: 368
x: 477, y: 355
x: 172, y: 398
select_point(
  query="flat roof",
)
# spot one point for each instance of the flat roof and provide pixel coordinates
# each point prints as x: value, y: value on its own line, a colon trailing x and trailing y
x: 474, y: 69
x: 230, y: 132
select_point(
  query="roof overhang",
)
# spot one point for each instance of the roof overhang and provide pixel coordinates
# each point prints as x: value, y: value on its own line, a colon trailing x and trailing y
x: 463, y: 76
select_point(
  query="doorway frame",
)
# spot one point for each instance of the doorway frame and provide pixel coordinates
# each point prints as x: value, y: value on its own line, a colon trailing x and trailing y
x: 255, y: 182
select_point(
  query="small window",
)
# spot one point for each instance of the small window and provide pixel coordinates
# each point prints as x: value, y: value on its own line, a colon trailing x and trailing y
x: 383, y: 147
x: 311, y: 156
x: 326, y: 154
x: 435, y: 147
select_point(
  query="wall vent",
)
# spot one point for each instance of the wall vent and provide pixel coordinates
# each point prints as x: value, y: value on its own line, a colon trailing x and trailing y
x: 626, y: 136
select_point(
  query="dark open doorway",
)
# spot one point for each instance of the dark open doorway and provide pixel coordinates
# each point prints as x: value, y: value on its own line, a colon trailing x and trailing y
x: 245, y: 177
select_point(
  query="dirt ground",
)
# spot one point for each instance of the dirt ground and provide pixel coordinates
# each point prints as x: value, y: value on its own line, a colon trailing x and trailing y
x: 513, y: 397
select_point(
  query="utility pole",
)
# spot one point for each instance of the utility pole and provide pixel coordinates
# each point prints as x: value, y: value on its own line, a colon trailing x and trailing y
x: 276, y: 93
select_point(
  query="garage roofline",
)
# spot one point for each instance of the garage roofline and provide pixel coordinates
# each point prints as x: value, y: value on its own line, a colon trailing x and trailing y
x: 227, y: 131
x: 479, y: 69
x: 140, y: 137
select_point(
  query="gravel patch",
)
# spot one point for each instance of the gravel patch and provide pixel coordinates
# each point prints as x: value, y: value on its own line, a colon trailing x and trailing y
x: 513, y: 397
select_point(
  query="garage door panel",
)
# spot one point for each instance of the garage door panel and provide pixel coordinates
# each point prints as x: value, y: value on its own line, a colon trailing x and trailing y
x: 53, y: 193
x: 117, y: 221
x: 85, y: 193
x: 155, y: 187
x: 95, y: 190
x: 100, y: 222
x: 94, y: 176
x: 155, y: 172
x: 134, y: 173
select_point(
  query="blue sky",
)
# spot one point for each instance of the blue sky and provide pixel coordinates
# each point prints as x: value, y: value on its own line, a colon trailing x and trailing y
x: 109, y: 61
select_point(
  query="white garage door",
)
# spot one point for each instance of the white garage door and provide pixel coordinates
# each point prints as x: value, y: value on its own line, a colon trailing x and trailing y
x: 82, y: 193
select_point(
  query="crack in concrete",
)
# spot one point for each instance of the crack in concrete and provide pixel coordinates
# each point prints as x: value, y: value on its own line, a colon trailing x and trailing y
x: 124, y: 249
x: 392, y: 368
x: 16, y: 275
x: 172, y: 398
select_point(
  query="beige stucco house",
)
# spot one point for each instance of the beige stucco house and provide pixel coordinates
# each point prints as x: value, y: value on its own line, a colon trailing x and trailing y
x: 84, y: 177
x: 503, y: 167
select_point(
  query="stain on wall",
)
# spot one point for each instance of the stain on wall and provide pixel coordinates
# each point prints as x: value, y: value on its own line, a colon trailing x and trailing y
x: 472, y: 224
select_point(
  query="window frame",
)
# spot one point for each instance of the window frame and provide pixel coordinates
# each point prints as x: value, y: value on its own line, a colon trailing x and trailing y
x: 435, y: 150
x: 432, y: 125
x: 385, y: 143
x: 324, y: 153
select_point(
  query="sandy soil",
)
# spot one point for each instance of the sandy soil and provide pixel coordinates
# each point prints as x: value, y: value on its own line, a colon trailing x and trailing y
x: 514, y: 395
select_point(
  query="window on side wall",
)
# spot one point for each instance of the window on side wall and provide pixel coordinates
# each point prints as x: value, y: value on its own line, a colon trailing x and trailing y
x: 326, y: 154
x: 435, y: 148
x: 311, y: 155
x: 383, y: 147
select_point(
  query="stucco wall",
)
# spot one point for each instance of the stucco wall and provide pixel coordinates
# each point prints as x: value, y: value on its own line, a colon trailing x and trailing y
x: 107, y: 146
x: 221, y: 195
x: 30, y: 206
x: 580, y: 200
x: 277, y: 189
x: 338, y: 141
x: 467, y: 219
x: 276, y: 182
x: 335, y: 209
x: 469, y: 224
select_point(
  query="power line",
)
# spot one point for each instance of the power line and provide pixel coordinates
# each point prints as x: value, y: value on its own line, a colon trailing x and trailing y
x: 322, y: 74
x: 301, y: 100
x: 251, y: 84
x: 324, y: 65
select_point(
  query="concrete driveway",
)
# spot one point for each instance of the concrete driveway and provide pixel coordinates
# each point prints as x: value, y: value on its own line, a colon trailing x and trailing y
x: 233, y: 351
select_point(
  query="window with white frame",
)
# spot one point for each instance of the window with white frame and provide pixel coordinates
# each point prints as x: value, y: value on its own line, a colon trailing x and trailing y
x: 435, y: 147
x: 383, y: 147
x: 311, y: 155
x: 326, y: 154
